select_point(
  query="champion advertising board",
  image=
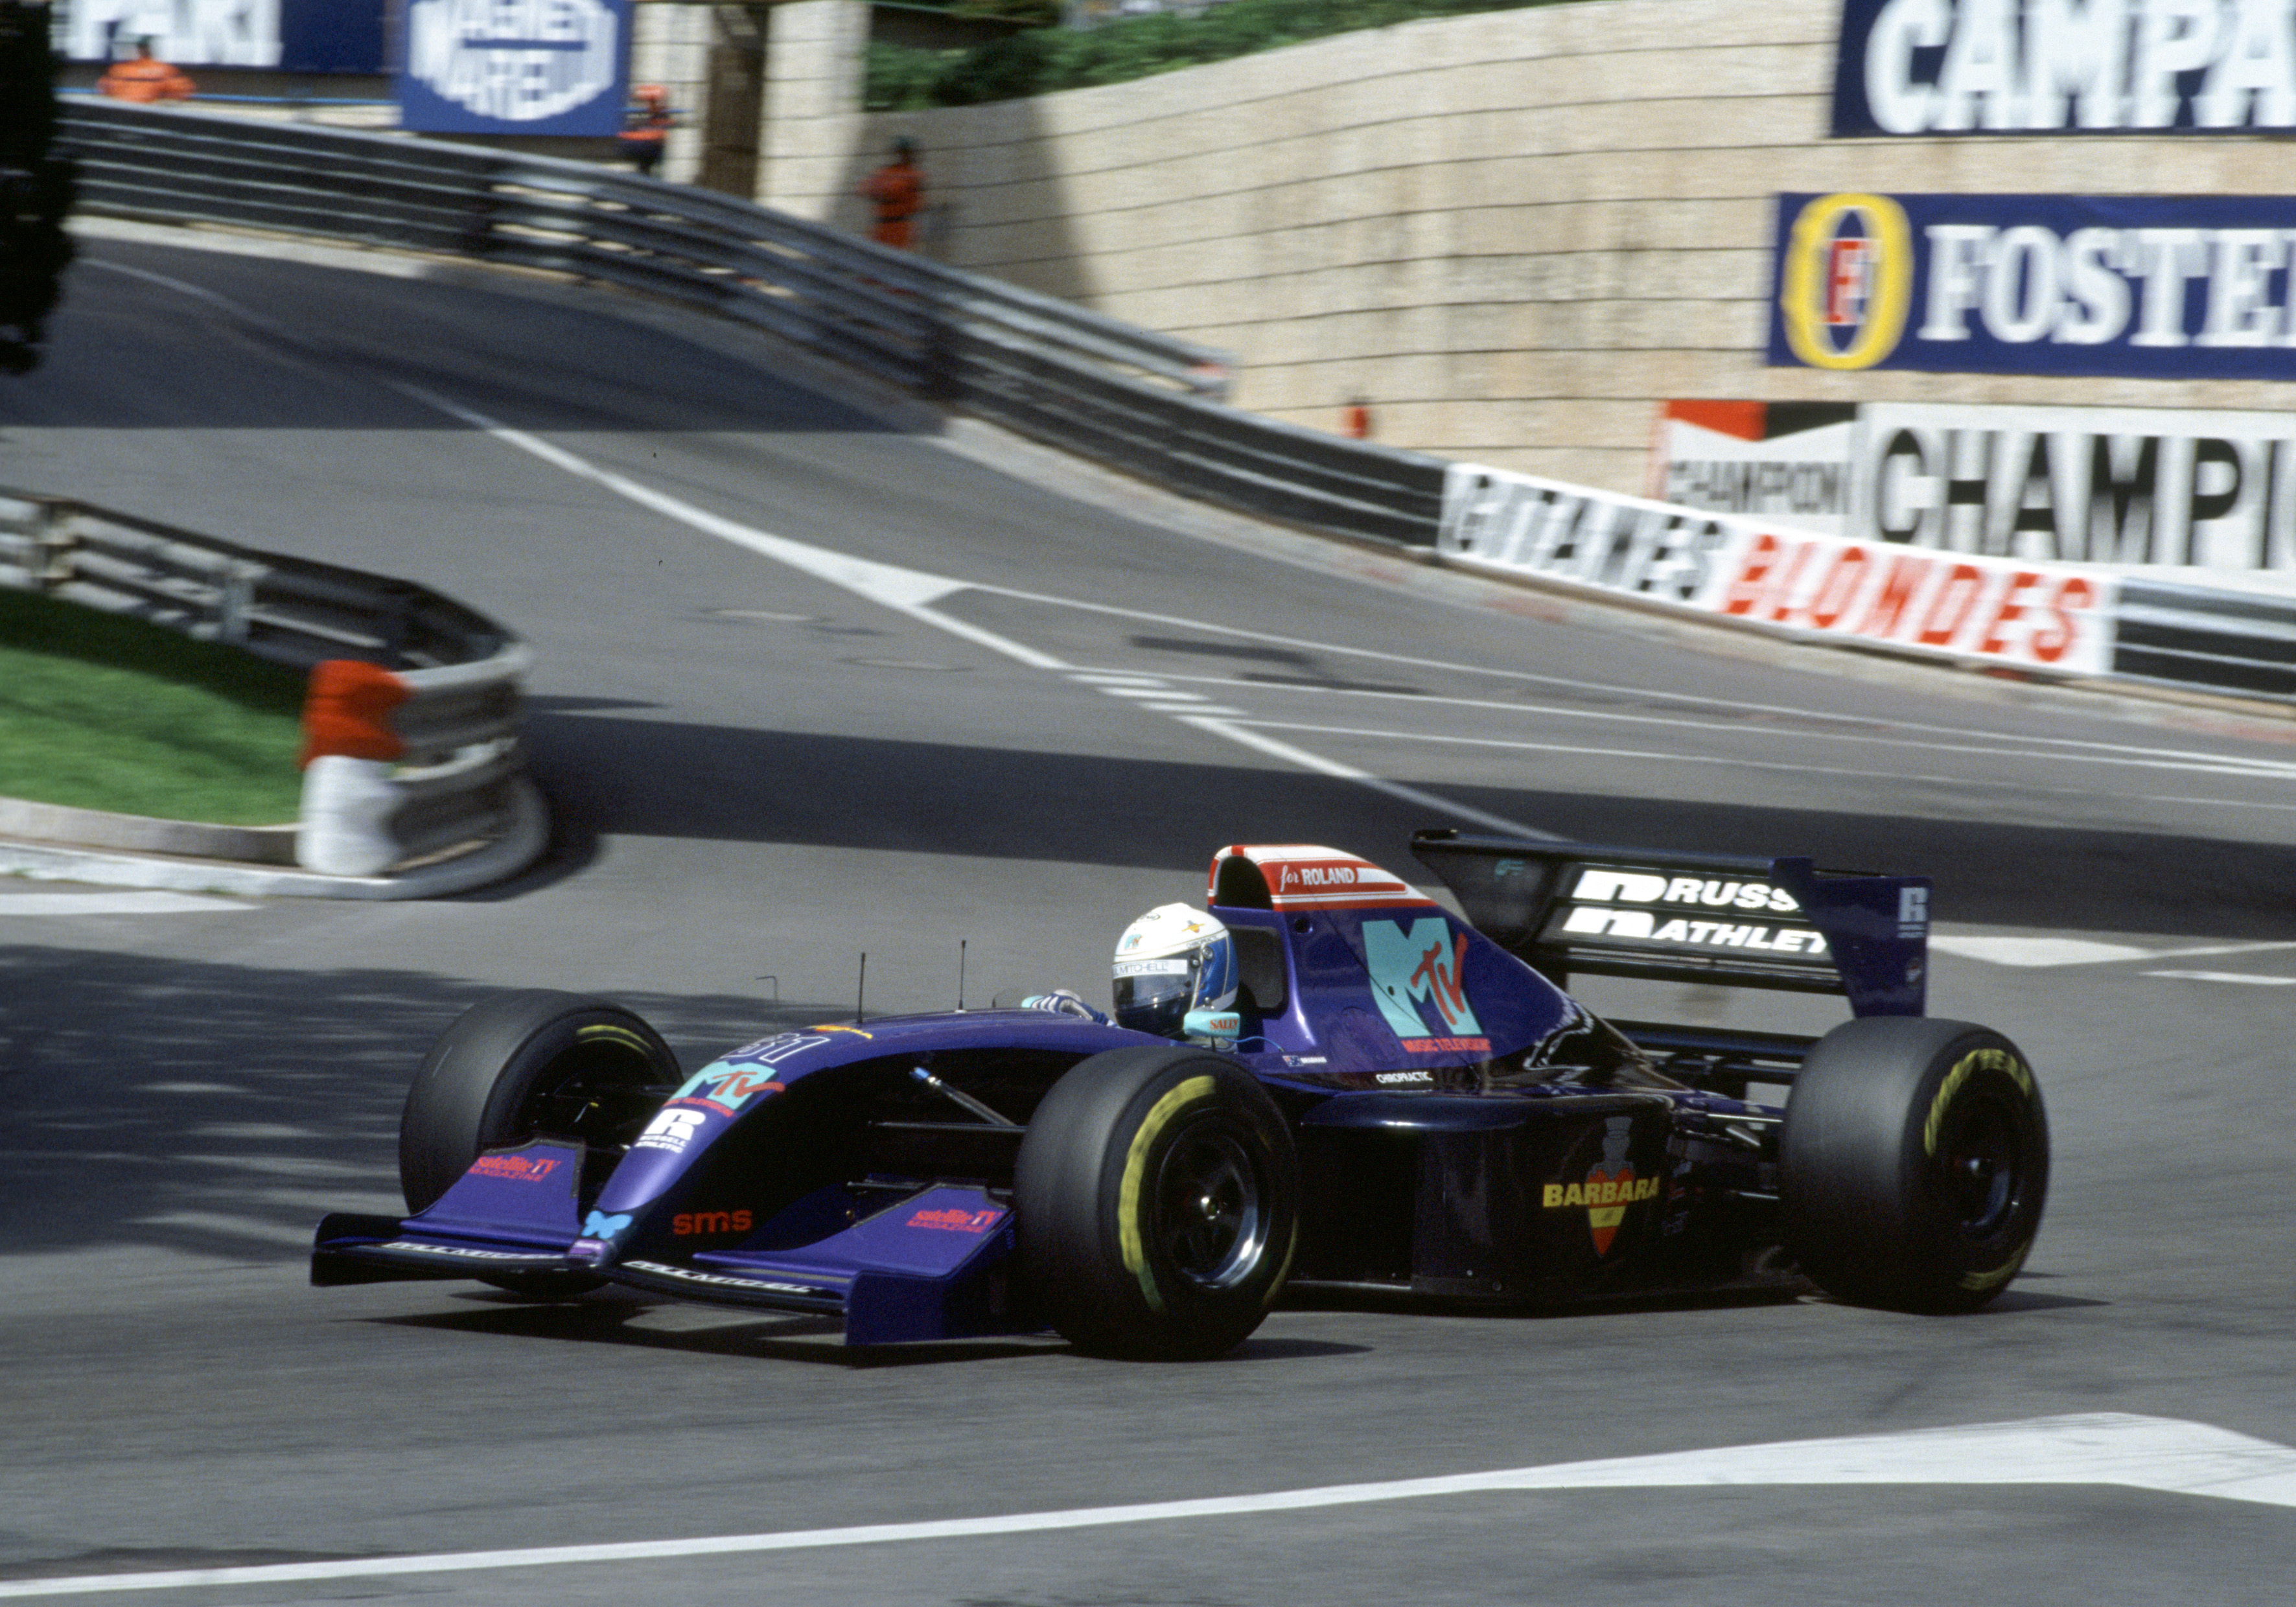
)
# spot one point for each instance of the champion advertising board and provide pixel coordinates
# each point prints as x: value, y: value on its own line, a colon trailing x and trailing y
x: 1801, y: 583
x: 1783, y: 461
x: 2190, y: 67
x: 515, y: 66
x: 2097, y: 485
x: 2155, y: 287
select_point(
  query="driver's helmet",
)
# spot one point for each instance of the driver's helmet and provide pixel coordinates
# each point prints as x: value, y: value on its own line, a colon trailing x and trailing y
x: 1172, y: 960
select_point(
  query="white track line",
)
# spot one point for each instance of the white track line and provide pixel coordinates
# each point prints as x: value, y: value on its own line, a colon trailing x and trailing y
x: 1654, y: 693
x: 912, y: 591
x: 2007, y: 748
x: 1653, y: 756
x: 2028, y: 953
x: 12, y: 904
x: 2157, y: 1453
x: 606, y: 477
x: 1305, y: 760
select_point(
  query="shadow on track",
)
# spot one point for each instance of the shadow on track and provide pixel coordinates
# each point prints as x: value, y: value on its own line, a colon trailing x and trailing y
x: 219, y: 1109
x: 620, y: 774
x: 606, y: 1318
x: 132, y: 352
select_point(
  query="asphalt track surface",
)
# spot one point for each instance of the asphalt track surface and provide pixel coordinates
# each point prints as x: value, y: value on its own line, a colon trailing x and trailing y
x: 1021, y: 721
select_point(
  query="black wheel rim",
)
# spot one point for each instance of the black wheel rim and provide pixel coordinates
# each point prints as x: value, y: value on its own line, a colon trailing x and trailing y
x: 1210, y: 1206
x: 601, y: 1094
x: 1981, y: 1159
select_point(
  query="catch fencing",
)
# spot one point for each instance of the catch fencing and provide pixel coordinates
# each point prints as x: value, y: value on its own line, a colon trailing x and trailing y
x: 1147, y: 403
x: 461, y: 778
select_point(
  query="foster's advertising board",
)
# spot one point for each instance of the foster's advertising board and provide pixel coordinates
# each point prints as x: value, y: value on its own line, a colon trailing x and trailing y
x: 2141, y: 286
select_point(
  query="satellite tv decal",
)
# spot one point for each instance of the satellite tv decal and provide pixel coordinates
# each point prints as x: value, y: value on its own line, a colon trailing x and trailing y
x: 515, y: 66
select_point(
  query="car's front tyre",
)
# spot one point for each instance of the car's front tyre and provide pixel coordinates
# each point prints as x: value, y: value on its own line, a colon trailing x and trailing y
x: 529, y: 1065
x: 1157, y: 1203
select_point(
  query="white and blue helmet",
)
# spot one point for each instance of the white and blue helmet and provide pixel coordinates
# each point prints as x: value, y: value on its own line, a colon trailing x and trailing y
x: 1170, y: 962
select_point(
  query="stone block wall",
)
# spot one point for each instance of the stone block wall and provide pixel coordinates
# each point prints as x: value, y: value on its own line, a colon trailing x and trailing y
x: 1513, y: 234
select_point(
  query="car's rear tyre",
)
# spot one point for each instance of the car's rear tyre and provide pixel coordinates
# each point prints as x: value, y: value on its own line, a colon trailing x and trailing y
x: 530, y: 1065
x: 1914, y: 1163
x: 1156, y: 1198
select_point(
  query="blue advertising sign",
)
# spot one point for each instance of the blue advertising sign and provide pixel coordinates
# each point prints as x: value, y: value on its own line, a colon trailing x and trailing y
x: 2155, y: 287
x: 330, y: 36
x: 2065, y: 66
x: 515, y: 66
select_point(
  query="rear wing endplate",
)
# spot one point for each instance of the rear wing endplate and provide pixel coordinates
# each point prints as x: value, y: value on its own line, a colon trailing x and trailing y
x: 1739, y: 922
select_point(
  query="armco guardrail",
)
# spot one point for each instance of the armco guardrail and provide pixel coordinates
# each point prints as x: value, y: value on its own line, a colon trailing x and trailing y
x: 1090, y: 384
x: 2173, y: 634
x: 460, y: 776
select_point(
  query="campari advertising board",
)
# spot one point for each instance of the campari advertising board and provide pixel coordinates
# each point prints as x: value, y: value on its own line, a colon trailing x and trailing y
x: 1946, y: 67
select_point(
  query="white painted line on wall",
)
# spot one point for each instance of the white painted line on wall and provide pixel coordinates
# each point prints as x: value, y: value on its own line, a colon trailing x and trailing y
x: 12, y: 904
x: 2157, y: 1454
x: 910, y: 592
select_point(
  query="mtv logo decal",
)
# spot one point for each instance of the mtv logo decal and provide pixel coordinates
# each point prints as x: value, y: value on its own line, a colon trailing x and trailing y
x: 1415, y: 966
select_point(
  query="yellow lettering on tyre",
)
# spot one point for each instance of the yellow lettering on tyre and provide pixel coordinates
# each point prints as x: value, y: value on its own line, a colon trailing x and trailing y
x: 1976, y: 1283
x: 1964, y: 1068
x: 1136, y: 1166
x: 620, y: 1035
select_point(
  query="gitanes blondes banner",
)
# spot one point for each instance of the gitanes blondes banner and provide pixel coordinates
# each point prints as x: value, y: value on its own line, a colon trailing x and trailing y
x: 1796, y: 582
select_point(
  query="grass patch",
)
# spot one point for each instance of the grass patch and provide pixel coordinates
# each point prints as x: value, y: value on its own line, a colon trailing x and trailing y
x: 103, y: 712
x: 1043, y: 60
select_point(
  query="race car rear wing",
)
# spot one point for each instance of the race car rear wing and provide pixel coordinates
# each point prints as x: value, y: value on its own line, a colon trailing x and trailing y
x: 1745, y: 923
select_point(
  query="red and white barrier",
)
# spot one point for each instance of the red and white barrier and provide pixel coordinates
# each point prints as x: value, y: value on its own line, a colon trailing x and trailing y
x: 349, y: 750
x: 2046, y: 616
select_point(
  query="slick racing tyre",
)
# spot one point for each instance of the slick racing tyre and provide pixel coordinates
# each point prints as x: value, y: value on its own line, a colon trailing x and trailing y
x: 525, y: 1066
x: 1157, y: 1202
x: 1914, y: 1163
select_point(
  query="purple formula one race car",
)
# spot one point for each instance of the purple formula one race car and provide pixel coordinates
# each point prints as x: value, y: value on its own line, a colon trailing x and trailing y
x: 1324, y: 1078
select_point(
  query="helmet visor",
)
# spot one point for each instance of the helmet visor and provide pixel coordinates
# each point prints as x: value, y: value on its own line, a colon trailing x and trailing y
x: 1153, y: 995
